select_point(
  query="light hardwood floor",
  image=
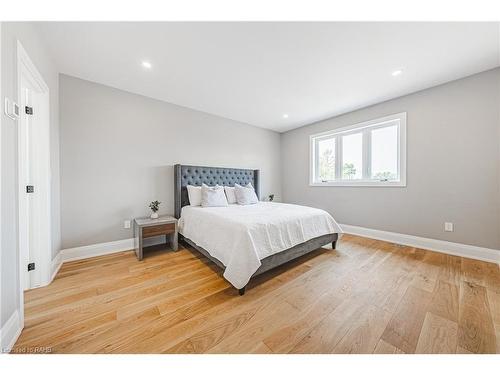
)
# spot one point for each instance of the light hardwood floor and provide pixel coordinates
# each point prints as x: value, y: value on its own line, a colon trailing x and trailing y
x: 365, y: 297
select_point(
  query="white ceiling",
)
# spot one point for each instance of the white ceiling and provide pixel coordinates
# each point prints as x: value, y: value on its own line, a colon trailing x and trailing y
x: 256, y: 72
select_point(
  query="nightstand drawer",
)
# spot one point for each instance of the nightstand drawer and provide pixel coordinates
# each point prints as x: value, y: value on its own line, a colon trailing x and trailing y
x: 158, y: 230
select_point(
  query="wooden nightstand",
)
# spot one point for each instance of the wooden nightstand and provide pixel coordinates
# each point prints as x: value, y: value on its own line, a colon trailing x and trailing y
x: 163, y: 226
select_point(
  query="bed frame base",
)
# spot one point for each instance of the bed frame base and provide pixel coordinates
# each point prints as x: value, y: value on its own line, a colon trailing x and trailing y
x: 278, y: 259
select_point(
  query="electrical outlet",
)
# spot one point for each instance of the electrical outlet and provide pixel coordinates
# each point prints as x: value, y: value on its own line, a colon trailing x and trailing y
x: 126, y: 224
x: 448, y: 227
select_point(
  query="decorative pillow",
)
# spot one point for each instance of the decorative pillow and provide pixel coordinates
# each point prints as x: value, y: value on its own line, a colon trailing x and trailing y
x: 231, y: 197
x: 213, y: 196
x: 194, y: 195
x: 245, y: 194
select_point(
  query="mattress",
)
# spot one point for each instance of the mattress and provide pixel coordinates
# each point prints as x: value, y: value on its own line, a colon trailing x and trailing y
x: 241, y: 236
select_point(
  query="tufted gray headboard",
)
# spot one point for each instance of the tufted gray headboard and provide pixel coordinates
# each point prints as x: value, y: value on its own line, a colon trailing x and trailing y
x: 195, y: 175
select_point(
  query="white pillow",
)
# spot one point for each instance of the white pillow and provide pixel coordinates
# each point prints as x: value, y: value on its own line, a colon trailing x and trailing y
x: 213, y: 196
x: 245, y: 194
x: 194, y: 195
x: 231, y: 197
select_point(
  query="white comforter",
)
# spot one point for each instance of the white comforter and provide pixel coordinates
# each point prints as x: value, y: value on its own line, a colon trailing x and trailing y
x: 240, y: 236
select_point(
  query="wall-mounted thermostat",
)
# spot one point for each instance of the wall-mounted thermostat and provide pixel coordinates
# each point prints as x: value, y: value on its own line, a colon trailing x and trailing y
x: 11, y: 109
x: 16, y: 111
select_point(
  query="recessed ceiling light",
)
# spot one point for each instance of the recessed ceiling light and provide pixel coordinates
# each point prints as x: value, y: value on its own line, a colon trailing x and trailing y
x: 285, y: 115
x: 397, y: 73
x: 146, y: 64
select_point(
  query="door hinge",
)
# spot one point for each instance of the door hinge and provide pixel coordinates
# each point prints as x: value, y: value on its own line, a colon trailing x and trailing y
x: 30, y: 189
x: 29, y: 110
x: 31, y: 266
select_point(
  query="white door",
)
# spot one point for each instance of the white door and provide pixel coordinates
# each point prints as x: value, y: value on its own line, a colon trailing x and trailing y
x: 34, y: 237
x: 29, y: 233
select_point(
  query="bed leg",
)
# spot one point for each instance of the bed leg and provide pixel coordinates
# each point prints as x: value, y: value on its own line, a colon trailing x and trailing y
x: 334, y: 245
x: 241, y: 291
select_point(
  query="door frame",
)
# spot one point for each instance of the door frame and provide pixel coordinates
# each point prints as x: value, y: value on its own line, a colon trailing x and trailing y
x: 1, y: 116
x: 43, y: 254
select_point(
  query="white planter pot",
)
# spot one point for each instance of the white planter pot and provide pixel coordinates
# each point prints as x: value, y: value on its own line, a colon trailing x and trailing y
x: 154, y: 215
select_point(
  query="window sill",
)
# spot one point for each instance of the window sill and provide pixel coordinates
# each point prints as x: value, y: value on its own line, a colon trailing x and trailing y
x: 360, y: 184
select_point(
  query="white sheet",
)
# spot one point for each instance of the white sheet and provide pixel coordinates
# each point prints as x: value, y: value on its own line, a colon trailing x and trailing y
x: 240, y: 236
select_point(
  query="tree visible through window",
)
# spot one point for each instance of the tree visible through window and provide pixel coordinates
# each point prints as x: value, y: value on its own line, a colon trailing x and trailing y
x: 383, y: 176
x: 327, y: 165
x: 326, y: 151
x: 352, y: 156
x: 349, y: 171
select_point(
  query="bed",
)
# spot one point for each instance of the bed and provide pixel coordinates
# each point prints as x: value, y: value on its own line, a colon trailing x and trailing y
x: 246, y: 241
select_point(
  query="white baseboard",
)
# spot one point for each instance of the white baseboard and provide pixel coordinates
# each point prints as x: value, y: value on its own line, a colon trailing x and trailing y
x: 452, y: 248
x: 89, y: 251
x: 56, y: 265
x: 10, y: 332
x: 105, y: 248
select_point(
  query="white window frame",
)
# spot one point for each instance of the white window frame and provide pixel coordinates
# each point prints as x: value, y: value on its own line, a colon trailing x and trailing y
x: 356, y: 128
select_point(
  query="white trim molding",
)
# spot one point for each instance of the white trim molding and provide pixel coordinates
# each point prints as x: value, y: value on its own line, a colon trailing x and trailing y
x: 105, y: 248
x: 56, y: 266
x: 90, y: 251
x: 10, y: 332
x: 1, y: 127
x: 452, y: 248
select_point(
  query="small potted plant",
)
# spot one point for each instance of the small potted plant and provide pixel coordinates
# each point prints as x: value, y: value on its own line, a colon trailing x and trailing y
x: 155, y: 206
x: 271, y: 197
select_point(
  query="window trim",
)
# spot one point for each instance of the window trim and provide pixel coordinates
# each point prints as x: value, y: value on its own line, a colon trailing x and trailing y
x: 355, y: 128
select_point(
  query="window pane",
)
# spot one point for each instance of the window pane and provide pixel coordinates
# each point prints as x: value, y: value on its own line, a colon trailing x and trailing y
x: 352, y: 156
x: 326, y: 162
x: 385, y: 153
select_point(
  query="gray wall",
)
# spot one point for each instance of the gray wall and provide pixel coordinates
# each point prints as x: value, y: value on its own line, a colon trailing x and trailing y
x: 453, y: 166
x: 118, y: 150
x: 28, y: 36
